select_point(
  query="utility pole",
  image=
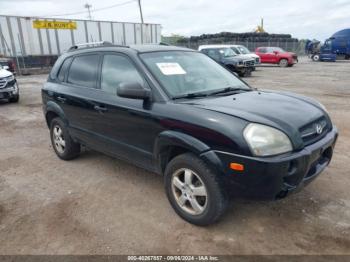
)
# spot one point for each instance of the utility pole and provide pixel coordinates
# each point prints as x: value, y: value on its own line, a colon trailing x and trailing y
x: 139, y: 1
x: 88, y: 6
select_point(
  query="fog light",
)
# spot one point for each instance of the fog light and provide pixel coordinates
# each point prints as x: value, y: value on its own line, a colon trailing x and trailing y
x: 236, y: 166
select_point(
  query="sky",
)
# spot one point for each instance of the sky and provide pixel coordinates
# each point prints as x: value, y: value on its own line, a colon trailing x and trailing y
x: 302, y: 19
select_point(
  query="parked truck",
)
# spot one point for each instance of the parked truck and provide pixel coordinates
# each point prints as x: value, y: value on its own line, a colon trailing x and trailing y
x: 335, y: 47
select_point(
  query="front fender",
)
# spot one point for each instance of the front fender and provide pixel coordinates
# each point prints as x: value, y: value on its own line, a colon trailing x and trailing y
x: 174, y: 138
x: 168, y: 139
x: 230, y: 64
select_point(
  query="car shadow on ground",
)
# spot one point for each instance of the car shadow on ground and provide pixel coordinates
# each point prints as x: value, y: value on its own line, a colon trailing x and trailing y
x: 294, y: 209
x: 4, y: 102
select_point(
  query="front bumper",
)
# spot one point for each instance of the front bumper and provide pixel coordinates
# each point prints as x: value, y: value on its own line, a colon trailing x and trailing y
x: 275, y: 177
x: 294, y: 60
x: 241, y: 69
x: 9, y: 91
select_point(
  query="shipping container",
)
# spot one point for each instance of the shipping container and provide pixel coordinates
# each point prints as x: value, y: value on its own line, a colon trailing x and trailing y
x: 34, y: 36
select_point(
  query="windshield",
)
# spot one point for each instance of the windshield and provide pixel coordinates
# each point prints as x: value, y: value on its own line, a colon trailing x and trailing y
x: 243, y: 50
x: 182, y: 73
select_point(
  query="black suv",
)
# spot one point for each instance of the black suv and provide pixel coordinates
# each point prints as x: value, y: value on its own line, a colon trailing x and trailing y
x: 176, y: 112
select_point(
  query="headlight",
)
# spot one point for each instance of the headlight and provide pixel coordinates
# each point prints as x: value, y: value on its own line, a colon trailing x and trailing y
x: 266, y: 141
x: 10, y: 78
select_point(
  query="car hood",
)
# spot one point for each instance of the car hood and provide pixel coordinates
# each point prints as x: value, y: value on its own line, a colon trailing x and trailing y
x: 237, y: 58
x: 5, y: 73
x: 247, y: 56
x: 285, y: 111
x: 251, y: 55
x: 289, y: 54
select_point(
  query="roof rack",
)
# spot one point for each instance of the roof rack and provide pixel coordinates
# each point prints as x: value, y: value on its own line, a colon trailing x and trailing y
x: 162, y: 43
x: 93, y: 44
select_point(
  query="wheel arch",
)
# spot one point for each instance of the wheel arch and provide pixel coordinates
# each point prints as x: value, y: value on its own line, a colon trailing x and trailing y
x: 53, y: 110
x: 170, y: 144
x: 283, y: 58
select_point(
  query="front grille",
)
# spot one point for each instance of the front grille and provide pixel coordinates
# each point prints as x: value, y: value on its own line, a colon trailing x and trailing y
x: 314, y: 131
x: 249, y: 63
x: 3, y: 82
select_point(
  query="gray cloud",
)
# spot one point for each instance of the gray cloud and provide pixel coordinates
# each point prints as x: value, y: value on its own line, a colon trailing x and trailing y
x: 303, y: 19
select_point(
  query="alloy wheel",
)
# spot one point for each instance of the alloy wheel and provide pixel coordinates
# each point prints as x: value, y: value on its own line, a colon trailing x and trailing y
x: 58, y: 139
x: 189, y: 191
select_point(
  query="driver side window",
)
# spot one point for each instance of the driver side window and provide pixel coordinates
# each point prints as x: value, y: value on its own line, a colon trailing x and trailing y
x: 115, y: 70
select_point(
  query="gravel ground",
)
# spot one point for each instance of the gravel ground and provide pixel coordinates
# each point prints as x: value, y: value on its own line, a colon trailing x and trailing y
x: 99, y: 205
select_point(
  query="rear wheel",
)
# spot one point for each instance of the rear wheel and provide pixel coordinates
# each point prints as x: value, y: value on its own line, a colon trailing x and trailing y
x: 194, y: 191
x: 62, y: 142
x: 283, y: 63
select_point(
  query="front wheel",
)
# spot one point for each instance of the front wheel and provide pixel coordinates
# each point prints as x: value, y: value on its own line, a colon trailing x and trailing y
x: 194, y: 191
x: 283, y: 63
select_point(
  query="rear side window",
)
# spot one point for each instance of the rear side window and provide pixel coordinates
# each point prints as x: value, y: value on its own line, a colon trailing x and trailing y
x: 262, y: 50
x: 117, y: 69
x: 214, y: 53
x: 83, y: 71
x: 63, y: 71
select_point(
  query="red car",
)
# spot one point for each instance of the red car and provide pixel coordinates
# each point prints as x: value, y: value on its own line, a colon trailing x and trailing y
x: 276, y: 55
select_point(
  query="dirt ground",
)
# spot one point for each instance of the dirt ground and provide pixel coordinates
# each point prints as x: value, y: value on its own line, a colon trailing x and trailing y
x: 99, y: 205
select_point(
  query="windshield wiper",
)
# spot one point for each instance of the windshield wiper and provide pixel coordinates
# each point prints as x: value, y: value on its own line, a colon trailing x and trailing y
x: 226, y: 90
x: 190, y: 95
x: 229, y: 89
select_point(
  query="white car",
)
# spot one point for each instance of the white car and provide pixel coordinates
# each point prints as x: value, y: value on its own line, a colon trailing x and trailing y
x: 8, y: 86
x: 238, y: 49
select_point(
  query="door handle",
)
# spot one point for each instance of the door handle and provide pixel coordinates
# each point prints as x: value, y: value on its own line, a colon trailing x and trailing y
x: 61, y: 99
x: 100, y: 108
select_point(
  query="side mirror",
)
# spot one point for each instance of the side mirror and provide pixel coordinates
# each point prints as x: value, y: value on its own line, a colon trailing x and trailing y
x: 133, y: 90
x: 275, y: 52
x: 6, y: 67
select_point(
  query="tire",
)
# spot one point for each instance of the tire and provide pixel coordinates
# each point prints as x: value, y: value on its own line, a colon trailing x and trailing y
x: 205, y: 191
x: 283, y: 63
x: 68, y: 149
x: 247, y: 73
x: 14, y: 99
x: 316, y: 58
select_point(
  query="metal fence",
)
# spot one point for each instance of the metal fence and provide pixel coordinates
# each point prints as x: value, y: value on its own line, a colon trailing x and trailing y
x: 291, y: 46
